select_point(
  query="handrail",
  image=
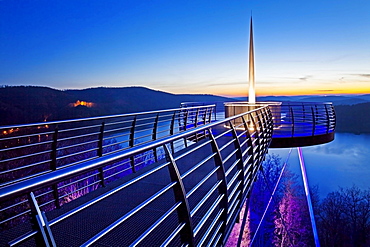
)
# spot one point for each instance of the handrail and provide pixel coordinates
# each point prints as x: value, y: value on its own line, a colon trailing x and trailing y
x: 211, y: 141
x: 103, y: 117
x: 296, y: 123
x: 53, y: 177
x: 29, y: 150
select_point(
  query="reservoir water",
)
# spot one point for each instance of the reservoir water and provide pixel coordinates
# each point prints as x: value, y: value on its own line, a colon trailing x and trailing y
x: 341, y: 163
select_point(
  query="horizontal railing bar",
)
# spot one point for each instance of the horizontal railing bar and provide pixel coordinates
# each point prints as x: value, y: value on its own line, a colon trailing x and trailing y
x: 121, y: 171
x: 118, y: 129
x: 77, y: 153
x: 78, y: 180
x: 217, y: 234
x: 232, y: 166
x: 205, y: 198
x: 15, y: 216
x: 13, y: 205
x: 25, y: 146
x: 202, y: 162
x: 128, y: 215
x: 28, y: 155
x: 230, y: 155
x: 25, y: 136
x: 105, y: 195
x: 79, y: 189
x: 101, y: 117
x: 70, y: 171
x: 231, y: 194
x: 156, y: 224
x: 207, y: 214
x: 173, y: 235
x: 76, y: 145
x: 22, y: 238
x: 193, y: 150
x: 210, y: 228
x: 233, y: 208
x: 18, y: 180
x: 201, y: 182
x: 78, y: 137
x: 25, y: 166
x: 79, y: 128
x: 230, y: 183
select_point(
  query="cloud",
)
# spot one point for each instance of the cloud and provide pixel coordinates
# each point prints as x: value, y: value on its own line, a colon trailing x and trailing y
x: 364, y: 75
x: 305, y: 78
x: 327, y: 90
x: 227, y: 83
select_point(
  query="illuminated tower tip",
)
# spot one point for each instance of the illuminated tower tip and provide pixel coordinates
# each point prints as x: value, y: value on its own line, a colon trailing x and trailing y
x: 252, y: 92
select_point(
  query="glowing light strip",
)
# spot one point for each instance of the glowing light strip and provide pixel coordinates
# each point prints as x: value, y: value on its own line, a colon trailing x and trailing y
x: 308, y: 196
x: 272, y: 195
x: 252, y: 93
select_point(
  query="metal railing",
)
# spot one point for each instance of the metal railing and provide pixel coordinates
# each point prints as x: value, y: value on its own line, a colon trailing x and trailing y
x: 296, y: 119
x: 188, y: 196
x: 33, y: 149
x: 296, y: 124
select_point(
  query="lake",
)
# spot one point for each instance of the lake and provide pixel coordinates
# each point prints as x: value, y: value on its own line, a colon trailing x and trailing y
x: 340, y: 163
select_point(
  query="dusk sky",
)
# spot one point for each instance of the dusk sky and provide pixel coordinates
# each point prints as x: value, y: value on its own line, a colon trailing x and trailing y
x: 193, y: 46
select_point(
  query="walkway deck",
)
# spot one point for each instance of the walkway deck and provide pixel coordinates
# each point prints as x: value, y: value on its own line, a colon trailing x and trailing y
x: 209, y: 207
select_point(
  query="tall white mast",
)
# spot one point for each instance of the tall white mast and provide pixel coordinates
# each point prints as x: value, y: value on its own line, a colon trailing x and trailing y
x: 252, y: 92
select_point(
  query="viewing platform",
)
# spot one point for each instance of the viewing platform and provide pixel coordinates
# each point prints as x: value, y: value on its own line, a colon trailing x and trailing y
x: 162, y: 178
x: 296, y: 124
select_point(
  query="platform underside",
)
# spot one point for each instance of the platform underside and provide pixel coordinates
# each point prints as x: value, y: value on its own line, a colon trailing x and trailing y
x: 301, y: 141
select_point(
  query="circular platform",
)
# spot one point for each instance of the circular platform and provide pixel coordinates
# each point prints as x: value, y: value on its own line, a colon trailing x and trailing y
x: 296, y: 124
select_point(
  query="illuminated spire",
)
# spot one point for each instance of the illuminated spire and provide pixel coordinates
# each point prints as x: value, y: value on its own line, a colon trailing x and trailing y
x: 252, y: 93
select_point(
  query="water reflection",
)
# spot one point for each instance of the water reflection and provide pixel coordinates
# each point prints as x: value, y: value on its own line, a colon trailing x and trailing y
x: 341, y: 163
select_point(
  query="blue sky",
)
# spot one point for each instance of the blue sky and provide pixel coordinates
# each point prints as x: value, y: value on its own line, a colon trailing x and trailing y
x: 301, y: 47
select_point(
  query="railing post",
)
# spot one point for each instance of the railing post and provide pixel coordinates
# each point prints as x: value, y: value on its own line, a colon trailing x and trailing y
x: 327, y: 119
x: 100, y: 142
x: 154, y: 136
x: 256, y: 147
x: 334, y: 116
x: 196, y: 118
x: 222, y: 189
x: 262, y: 127
x: 44, y: 236
x: 186, y: 119
x: 196, y: 124
x: 53, y: 165
x: 210, y: 115
x: 132, y: 143
x: 183, y: 211
x: 250, y: 160
x: 100, y: 152
x: 292, y: 116
x: 54, y: 146
x: 172, y: 130
x: 240, y: 164
x: 204, y: 120
x: 313, y: 121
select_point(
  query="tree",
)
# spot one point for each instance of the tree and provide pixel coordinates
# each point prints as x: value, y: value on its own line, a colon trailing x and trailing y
x: 292, y: 224
x: 344, y: 218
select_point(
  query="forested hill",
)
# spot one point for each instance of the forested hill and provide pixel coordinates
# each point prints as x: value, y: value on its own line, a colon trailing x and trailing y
x: 353, y: 118
x: 29, y: 104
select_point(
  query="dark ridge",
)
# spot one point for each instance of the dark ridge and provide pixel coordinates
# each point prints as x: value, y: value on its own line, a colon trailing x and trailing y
x: 29, y: 104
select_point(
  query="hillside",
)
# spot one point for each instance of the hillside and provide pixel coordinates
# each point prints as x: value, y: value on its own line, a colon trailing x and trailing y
x: 353, y: 118
x: 28, y: 104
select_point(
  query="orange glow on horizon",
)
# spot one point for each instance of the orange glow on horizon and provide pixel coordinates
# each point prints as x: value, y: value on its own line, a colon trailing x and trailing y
x: 295, y: 92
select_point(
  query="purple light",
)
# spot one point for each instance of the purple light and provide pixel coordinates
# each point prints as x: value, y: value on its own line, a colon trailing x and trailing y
x: 308, y: 196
